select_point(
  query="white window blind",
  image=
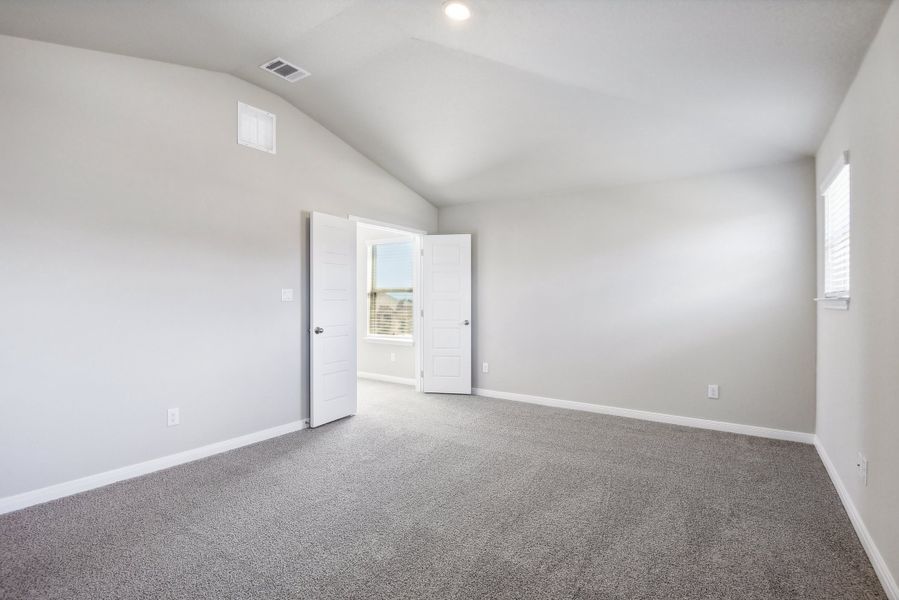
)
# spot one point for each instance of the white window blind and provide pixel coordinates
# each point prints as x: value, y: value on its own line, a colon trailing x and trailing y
x: 390, y: 290
x: 836, y: 236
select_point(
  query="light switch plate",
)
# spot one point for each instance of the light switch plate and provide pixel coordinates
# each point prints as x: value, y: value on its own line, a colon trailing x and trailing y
x: 713, y: 391
x: 861, y: 465
x: 287, y: 295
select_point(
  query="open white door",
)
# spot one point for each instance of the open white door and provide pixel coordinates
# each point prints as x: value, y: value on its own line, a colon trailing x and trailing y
x: 446, y: 322
x: 332, y: 318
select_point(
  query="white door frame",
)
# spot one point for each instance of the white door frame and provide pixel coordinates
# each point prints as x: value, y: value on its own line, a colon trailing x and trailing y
x: 416, y: 284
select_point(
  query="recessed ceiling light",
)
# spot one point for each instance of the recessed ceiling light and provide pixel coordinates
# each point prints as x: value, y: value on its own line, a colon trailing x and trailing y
x: 457, y: 11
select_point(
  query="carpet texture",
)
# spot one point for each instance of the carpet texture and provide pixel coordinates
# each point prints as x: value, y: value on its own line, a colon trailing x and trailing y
x: 431, y: 496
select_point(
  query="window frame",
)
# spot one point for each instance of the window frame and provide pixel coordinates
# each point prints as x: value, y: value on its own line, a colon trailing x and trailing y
x: 838, y: 299
x: 400, y: 340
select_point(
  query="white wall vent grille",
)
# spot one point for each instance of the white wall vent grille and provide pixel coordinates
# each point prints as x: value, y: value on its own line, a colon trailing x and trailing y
x: 255, y: 128
x: 285, y: 70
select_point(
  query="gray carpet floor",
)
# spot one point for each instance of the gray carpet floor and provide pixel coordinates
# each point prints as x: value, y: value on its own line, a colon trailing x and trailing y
x: 455, y: 497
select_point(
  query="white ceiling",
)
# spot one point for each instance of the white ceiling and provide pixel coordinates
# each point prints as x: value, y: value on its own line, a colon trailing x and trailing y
x: 529, y: 98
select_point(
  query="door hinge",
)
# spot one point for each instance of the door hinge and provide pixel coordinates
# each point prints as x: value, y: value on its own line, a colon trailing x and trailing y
x: 422, y: 373
x: 422, y: 312
x: 422, y: 251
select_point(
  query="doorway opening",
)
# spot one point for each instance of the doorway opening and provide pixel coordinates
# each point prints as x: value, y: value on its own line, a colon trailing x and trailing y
x: 388, y: 302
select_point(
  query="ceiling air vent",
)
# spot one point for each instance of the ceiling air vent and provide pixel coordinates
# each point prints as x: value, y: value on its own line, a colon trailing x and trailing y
x: 285, y: 70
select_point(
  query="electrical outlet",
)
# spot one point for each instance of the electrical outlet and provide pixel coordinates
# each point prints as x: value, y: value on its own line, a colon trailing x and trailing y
x: 485, y: 368
x: 287, y: 295
x: 393, y: 357
x: 174, y: 417
x: 861, y: 467
x: 713, y: 391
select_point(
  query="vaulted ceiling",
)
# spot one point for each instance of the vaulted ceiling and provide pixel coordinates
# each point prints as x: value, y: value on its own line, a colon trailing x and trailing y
x: 528, y: 98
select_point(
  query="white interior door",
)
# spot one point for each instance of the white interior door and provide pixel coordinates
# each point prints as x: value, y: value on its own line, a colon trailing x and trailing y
x: 332, y: 318
x: 446, y: 322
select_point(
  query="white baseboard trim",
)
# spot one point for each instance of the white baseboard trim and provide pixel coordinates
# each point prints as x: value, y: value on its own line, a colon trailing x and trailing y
x: 75, y: 486
x: 754, y: 430
x: 387, y: 378
x: 880, y: 566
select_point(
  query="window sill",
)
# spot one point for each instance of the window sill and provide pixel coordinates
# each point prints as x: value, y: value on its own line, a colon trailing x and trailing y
x: 840, y: 303
x: 395, y: 341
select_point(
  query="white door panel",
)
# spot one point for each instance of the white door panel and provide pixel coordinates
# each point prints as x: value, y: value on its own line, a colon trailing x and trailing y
x: 332, y: 317
x: 446, y: 323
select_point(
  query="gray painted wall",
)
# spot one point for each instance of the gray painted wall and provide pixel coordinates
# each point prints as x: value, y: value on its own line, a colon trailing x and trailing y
x: 374, y: 356
x: 143, y: 256
x: 640, y: 296
x: 858, y: 349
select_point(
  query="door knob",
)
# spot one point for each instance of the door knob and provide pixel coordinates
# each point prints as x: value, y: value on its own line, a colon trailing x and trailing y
x: 465, y: 322
x: 319, y: 330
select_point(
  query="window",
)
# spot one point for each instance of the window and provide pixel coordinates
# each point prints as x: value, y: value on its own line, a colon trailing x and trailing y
x: 390, y: 290
x: 836, y: 234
